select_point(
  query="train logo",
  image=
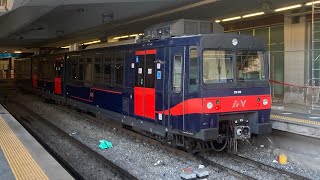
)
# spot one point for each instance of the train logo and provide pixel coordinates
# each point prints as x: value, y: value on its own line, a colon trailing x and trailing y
x: 236, y: 103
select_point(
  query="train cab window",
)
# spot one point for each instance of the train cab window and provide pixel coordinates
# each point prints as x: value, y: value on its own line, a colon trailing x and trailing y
x: 193, y: 71
x: 118, y: 68
x: 107, y: 68
x: 250, y: 66
x: 97, y: 69
x: 81, y: 69
x: 217, y: 67
x: 177, y: 73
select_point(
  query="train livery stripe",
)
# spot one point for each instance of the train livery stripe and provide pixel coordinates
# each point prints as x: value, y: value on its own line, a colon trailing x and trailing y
x: 220, y: 105
x: 150, y: 51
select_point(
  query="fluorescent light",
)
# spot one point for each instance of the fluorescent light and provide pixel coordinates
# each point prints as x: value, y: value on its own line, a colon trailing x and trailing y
x: 133, y: 35
x: 314, y: 2
x: 288, y: 7
x: 231, y: 19
x: 117, y: 37
x: 217, y: 21
x: 91, y: 42
x: 65, y: 47
x: 253, y: 14
x: 17, y: 52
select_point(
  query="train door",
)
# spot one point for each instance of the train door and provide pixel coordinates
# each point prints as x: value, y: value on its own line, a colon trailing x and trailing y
x: 58, y: 66
x: 176, y: 97
x: 144, y: 89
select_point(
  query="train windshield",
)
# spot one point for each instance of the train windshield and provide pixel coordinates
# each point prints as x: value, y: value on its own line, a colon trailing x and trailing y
x: 250, y: 66
x: 217, y: 66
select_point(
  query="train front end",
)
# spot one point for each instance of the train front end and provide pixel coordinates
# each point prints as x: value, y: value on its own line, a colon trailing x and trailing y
x: 234, y: 89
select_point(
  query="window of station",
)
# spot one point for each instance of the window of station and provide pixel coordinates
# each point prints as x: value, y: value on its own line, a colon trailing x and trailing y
x: 217, y: 66
x: 177, y: 73
x: 107, y: 69
x: 193, y: 71
x: 97, y: 68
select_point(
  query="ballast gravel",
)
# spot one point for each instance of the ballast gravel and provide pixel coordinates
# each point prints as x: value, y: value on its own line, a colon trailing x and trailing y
x: 141, y: 159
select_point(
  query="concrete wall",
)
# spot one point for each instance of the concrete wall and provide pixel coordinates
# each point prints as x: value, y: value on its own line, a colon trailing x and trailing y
x: 295, y: 39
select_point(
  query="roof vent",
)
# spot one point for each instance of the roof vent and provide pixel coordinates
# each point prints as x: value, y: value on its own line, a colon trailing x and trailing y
x: 181, y: 27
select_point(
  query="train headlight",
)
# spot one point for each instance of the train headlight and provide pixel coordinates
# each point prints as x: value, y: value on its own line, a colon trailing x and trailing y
x: 209, y: 105
x: 239, y: 131
x: 265, y: 102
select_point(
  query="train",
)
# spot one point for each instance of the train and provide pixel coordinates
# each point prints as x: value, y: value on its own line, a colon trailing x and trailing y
x: 198, y: 92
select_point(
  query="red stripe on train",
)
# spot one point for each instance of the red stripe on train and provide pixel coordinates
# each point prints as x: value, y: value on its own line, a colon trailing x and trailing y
x: 220, y: 105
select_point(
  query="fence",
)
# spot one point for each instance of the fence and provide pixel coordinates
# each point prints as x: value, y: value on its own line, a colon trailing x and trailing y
x: 295, y: 77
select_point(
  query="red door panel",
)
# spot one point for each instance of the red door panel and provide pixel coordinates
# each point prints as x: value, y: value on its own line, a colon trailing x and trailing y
x: 34, y: 81
x: 138, y: 101
x: 57, y: 85
x: 149, y: 100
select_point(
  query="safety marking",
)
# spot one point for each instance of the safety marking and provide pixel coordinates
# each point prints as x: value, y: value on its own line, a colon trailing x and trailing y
x: 21, y: 163
x: 286, y: 118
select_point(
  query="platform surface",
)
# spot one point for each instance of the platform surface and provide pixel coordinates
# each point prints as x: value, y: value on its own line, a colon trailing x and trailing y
x: 296, y: 119
x: 22, y: 157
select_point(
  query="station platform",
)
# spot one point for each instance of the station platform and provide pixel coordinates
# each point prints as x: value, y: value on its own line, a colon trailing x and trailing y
x: 22, y: 157
x: 296, y: 119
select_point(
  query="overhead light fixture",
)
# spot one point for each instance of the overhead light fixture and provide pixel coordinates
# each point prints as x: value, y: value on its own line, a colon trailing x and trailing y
x: 65, y: 47
x: 17, y: 52
x: 253, y: 14
x: 231, y: 19
x: 133, y: 35
x: 91, y: 42
x: 217, y: 21
x: 288, y: 7
x: 314, y: 2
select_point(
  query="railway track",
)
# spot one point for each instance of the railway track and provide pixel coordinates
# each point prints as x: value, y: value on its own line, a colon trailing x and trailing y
x: 265, y: 167
x: 239, y: 174
x: 216, y: 166
x: 30, y: 116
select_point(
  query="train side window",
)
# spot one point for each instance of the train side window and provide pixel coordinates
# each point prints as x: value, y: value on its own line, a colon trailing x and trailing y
x: 177, y: 73
x: 98, y: 69
x: 81, y: 69
x: 88, y: 70
x: 118, y: 68
x: 107, y: 69
x: 193, y: 71
x: 74, y: 68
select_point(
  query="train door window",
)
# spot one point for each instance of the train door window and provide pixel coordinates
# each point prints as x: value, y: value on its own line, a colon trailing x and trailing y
x: 119, y: 61
x: 107, y: 69
x: 177, y: 73
x: 81, y: 68
x: 97, y: 68
x: 58, y: 72
x: 193, y: 70
x: 150, y: 74
x: 139, y: 74
x: 74, y: 67
x: 88, y: 69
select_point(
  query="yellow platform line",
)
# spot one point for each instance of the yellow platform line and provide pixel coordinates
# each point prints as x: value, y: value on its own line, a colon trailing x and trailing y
x: 19, y: 159
x: 286, y: 118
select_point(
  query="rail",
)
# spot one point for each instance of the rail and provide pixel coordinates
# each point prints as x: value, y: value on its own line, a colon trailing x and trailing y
x: 108, y: 164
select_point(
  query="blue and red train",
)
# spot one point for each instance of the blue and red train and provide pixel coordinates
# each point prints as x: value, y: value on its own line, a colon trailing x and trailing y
x: 198, y: 92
